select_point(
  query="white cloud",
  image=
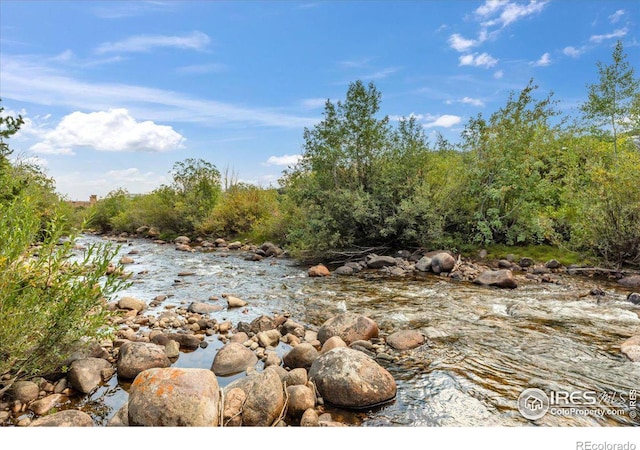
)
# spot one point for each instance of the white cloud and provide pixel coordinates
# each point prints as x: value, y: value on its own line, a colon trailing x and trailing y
x: 498, y: 74
x: 397, y: 118
x: 616, y: 16
x: 505, y: 13
x: 445, y: 121
x: 489, y: 7
x: 461, y: 44
x: 598, y: 38
x: 573, y: 52
x: 145, y: 43
x: 314, y: 103
x: 284, y: 160
x: 478, y: 60
x: 112, y: 131
x: 380, y: 74
x: 544, y: 61
x: 472, y: 101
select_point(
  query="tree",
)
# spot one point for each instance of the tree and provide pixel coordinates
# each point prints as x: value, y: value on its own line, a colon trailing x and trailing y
x: 9, y: 126
x: 610, y: 101
x: 197, y: 185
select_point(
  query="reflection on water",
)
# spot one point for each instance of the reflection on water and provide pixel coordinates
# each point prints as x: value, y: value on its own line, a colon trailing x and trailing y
x: 484, y: 345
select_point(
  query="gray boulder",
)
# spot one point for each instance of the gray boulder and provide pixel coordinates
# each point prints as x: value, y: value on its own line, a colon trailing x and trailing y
x: 301, y: 398
x: 424, y: 264
x: 405, y: 339
x: 378, y: 262
x: 442, y: 262
x: 136, y: 357
x: 350, y: 327
x: 233, y: 358
x: 85, y: 375
x: 265, y: 400
x: 203, y: 308
x: 631, y: 281
x: 67, y: 418
x: 497, y: 278
x: 300, y: 356
x: 25, y: 391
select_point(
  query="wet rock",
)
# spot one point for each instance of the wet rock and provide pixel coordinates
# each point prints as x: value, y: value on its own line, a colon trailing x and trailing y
x: 355, y: 265
x: 236, y: 245
x: 272, y: 359
x: 174, y: 397
x: 67, y: 418
x: 631, y: 348
x: 182, y: 240
x: 271, y: 249
x: 233, y: 358
x: 504, y: 264
x: 203, y: 308
x: 126, y: 260
x: 498, y: 278
x: 405, y: 339
x: 265, y: 400
x: 85, y: 375
x: 25, y: 391
x: 235, y: 302
x: 121, y: 418
x: 423, y: 264
x: 631, y: 281
x: 131, y: 303
x: 269, y: 338
x: 44, y: 405
x: 350, y: 379
x: 344, y: 270
x: 300, y: 356
x: 634, y: 298
x: 598, y: 292
x: 186, y: 341
x: 331, y: 343
x: 183, y: 248
x: 240, y: 337
x: 135, y: 357
x: 350, y: 327
x: 553, y: 264
x: 318, y: 271
x: 309, y: 418
x: 172, y: 349
x: 378, y: 262
x: 301, y: 398
x: 526, y: 262
x: 233, y: 400
x: 262, y: 323
x: 442, y: 262
x: 293, y: 327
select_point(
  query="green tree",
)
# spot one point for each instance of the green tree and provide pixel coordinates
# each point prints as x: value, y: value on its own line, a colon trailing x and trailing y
x: 197, y: 185
x: 611, y: 100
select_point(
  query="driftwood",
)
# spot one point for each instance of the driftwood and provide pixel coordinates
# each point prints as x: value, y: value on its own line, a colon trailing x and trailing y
x: 357, y: 252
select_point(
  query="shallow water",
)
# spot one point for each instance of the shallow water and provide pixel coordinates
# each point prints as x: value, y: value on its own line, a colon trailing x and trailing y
x: 484, y: 346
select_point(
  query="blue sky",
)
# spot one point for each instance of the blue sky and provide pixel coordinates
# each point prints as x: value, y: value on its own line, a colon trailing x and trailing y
x: 114, y: 93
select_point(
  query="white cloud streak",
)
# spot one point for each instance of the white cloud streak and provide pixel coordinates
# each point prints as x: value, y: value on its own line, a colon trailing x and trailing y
x: 616, y: 16
x: 573, y: 52
x: 284, y: 160
x: 472, y: 101
x: 504, y: 13
x: 544, y: 61
x: 478, y: 60
x: 445, y: 121
x: 461, y: 44
x: 145, y: 43
x: 598, y: 38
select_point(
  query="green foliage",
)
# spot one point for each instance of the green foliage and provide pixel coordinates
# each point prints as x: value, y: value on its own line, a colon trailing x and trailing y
x: 104, y: 213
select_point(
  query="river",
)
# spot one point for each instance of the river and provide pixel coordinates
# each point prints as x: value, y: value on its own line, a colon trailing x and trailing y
x: 484, y: 345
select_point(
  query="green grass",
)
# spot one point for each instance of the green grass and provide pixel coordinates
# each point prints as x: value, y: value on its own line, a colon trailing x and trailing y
x: 539, y: 253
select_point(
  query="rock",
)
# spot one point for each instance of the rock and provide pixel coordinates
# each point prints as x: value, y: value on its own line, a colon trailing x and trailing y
x: 424, y: 264
x: 172, y: 349
x: 344, y: 270
x: 631, y: 281
x: 526, y: 262
x: 356, y: 266
x: 442, y: 262
x: 265, y: 400
x: 240, y: 337
x: 350, y: 327
x: 233, y: 358
x: 186, y: 341
x: 262, y: 323
x: 126, y: 260
x: 135, y: 357
x: 270, y: 249
x: 405, y: 339
x: 552, y: 264
x: 296, y: 377
x: 235, y: 302
x: 233, y: 400
x: 203, y: 308
x: 25, y: 391
x: 269, y: 338
x: 174, y: 397
x: 236, y: 245
x: 182, y: 240
x: 272, y: 359
x: 301, y: 398
x: 183, y: 248
x: 631, y: 348
x: 121, y: 418
x: 131, y: 303
x: 348, y: 378
x: 153, y: 232
x: 85, y: 375
x: 67, y: 418
x: 292, y: 327
x: 319, y: 271
x: 498, y: 278
x: 302, y: 355
x: 378, y: 262
x: 634, y: 298
x: 331, y: 343
x: 504, y: 264
x: 309, y: 418
x: 44, y: 405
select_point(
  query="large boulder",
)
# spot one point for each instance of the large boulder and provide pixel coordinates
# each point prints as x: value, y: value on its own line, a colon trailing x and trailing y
x: 25, y: 391
x: 631, y: 348
x: 203, y: 308
x: 300, y: 356
x: 350, y: 327
x: 265, y: 400
x: 233, y: 358
x: 631, y: 281
x: 301, y: 398
x: 497, y: 278
x: 67, y: 418
x: 187, y: 341
x: 424, y: 264
x: 319, y: 270
x: 378, y: 262
x: 350, y: 379
x: 442, y: 262
x: 131, y: 303
x: 86, y: 374
x: 46, y: 404
x: 182, y: 240
x: 174, y: 397
x: 136, y: 357
x: 405, y: 339
x: 634, y: 298
x: 232, y: 412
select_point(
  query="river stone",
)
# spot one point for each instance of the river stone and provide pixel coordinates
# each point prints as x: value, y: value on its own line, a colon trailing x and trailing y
x: 271, y: 249
x: 498, y: 278
x: 44, y: 405
x: 526, y: 262
x: 203, y: 308
x: 631, y: 281
x: 25, y: 391
x: 269, y: 338
x: 272, y: 359
x: 262, y: 323
x: 265, y: 400
x: 131, y: 303
x: 301, y: 398
x: 424, y: 264
x: 300, y: 356
x: 442, y: 262
x: 85, y: 375
x: 631, y: 348
x: 134, y: 357
x: 405, y: 339
x: 378, y: 262
x: 174, y: 397
x: 309, y: 418
x: 552, y: 264
x: 344, y: 270
x: 296, y: 377
x: 232, y: 413
x: 126, y: 260
x: 319, y: 271
x: 67, y: 418
x: 186, y: 341
x: 350, y: 379
x: 331, y: 343
x: 172, y: 349
x: 236, y: 245
x: 233, y: 358
x: 350, y: 327
x: 293, y: 327
x: 182, y: 240
x: 240, y: 337
x: 634, y: 298
x: 235, y: 302
x: 121, y: 418
x: 183, y: 248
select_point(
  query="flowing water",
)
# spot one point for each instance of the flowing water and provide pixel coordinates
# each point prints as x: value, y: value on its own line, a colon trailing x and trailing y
x: 484, y: 346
